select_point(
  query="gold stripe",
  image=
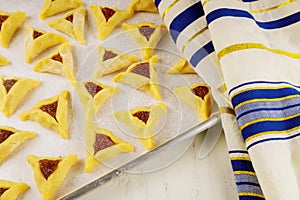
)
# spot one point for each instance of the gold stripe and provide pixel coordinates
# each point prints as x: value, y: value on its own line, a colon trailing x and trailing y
x: 250, y: 194
x: 205, y: 2
x: 169, y: 8
x: 240, y: 158
x: 243, y: 46
x: 266, y: 100
x: 268, y: 119
x: 263, y: 88
x: 222, y: 88
x: 273, y: 7
x: 244, y: 172
x: 192, y: 38
x: 226, y: 110
x: 271, y: 132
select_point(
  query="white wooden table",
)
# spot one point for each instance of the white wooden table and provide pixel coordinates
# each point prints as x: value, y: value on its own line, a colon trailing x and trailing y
x: 187, y: 178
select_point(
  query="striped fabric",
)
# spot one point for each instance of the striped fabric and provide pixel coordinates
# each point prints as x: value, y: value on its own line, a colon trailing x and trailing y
x: 248, y: 51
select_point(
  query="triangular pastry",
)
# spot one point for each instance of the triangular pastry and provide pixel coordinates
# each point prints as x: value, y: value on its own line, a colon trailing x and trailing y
x: 141, y: 75
x: 198, y: 97
x: 181, y: 67
x: 58, y: 62
x: 12, y: 91
x: 143, y: 5
x: 142, y: 121
x: 92, y: 94
x: 50, y: 172
x: 37, y: 40
x: 3, y: 61
x: 11, y: 138
x: 111, y: 60
x: 107, y: 18
x: 10, y: 190
x: 147, y: 35
x: 102, y: 145
x: 51, y: 113
x: 53, y: 7
x: 9, y: 23
x: 71, y: 24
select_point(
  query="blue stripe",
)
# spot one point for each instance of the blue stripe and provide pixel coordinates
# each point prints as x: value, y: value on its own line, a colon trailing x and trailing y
x: 226, y: 12
x: 247, y: 183
x: 266, y: 109
x: 157, y: 2
x: 265, y: 126
x: 185, y: 18
x: 247, y: 1
x: 259, y: 82
x: 273, y: 139
x: 202, y: 53
x: 263, y: 94
x: 238, y: 151
x: 250, y: 198
x: 242, y: 165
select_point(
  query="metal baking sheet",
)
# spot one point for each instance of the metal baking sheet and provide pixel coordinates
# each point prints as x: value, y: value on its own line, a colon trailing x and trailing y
x: 175, y: 126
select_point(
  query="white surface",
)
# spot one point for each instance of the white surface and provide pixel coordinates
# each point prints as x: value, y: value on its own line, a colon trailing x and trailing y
x: 188, y: 178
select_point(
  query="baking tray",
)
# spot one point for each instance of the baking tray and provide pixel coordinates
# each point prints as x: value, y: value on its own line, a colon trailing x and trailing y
x: 175, y: 127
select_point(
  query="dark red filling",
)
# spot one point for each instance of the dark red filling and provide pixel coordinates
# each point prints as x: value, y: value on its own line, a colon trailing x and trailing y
x: 101, y: 142
x: 58, y: 58
x: 108, y: 13
x: 142, y: 69
x: 146, y: 31
x: 8, y: 84
x: 92, y: 88
x: 36, y: 34
x: 108, y: 55
x: 200, y: 91
x: 47, y: 167
x: 4, y: 134
x: 2, y: 19
x: 50, y: 109
x: 70, y: 18
x: 2, y: 190
x: 142, y: 115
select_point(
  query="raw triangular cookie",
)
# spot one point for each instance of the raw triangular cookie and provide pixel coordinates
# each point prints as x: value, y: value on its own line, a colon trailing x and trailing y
x: 3, y: 61
x: 107, y: 18
x: 181, y: 67
x: 102, y: 145
x: 9, y: 22
x: 12, y: 91
x: 37, y: 40
x: 147, y: 35
x: 92, y: 94
x: 10, y: 190
x: 142, y: 121
x: 111, y: 60
x: 10, y: 138
x: 143, y: 5
x: 141, y: 75
x: 52, y: 7
x: 71, y: 24
x: 51, y: 113
x: 50, y: 172
x: 198, y: 97
x: 58, y: 62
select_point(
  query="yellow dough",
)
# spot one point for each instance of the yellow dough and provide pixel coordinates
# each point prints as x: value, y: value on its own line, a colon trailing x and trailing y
x: 12, y: 91
x: 107, y: 18
x: 3, y: 61
x: 143, y: 5
x: 9, y: 23
x: 141, y: 75
x: 51, y: 113
x: 50, y: 172
x: 92, y: 95
x: 10, y: 190
x: 102, y: 145
x: 147, y: 35
x: 58, y: 62
x: 71, y: 24
x: 181, y: 67
x: 202, y: 105
x: 10, y: 139
x: 37, y: 40
x: 111, y: 60
x: 52, y: 7
x: 143, y: 128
